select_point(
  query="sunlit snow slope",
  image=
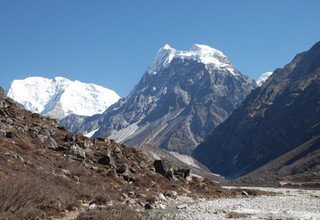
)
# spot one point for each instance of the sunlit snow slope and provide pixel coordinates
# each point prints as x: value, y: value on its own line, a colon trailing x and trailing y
x: 60, y: 97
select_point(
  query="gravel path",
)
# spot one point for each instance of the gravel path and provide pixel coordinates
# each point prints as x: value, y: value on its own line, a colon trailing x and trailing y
x: 291, y: 204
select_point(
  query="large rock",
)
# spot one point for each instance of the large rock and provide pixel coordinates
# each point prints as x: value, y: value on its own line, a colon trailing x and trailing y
x: 164, y: 168
x: 50, y: 144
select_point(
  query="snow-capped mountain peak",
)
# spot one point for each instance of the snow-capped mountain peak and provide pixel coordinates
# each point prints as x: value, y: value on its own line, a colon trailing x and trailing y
x: 204, y: 49
x: 198, y: 52
x: 263, y: 78
x: 60, y: 97
x: 162, y: 59
x: 179, y: 100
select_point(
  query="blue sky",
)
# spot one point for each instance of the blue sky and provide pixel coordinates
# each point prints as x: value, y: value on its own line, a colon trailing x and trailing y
x: 111, y: 43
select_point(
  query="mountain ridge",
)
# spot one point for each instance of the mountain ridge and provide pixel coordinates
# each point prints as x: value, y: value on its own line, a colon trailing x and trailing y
x: 60, y: 97
x: 274, y: 119
x: 177, y: 102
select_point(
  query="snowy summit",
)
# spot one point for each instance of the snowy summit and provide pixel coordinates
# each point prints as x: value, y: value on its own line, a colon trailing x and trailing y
x: 263, y: 78
x: 60, y: 97
x: 198, y: 52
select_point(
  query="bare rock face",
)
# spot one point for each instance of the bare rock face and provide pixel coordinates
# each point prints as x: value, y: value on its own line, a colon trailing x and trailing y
x: 180, y: 99
x: 275, y: 119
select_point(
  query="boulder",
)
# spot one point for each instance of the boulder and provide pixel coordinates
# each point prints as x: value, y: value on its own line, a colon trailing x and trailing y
x: 163, y: 167
x: 45, y: 132
x: 71, y: 138
x: 87, y: 144
x: 34, y: 132
x: 50, y: 144
x: 75, y: 150
x: 125, y: 172
x: 106, y: 160
x: 183, y: 174
x: 123, y: 169
x: 106, y: 151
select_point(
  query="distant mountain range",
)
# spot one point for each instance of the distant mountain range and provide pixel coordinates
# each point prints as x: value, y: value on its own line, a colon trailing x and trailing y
x: 179, y: 100
x: 195, y: 102
x: 275, y: 132
x: 60, y: 97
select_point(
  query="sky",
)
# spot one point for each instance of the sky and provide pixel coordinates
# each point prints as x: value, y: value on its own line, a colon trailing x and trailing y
x: 111, y: 43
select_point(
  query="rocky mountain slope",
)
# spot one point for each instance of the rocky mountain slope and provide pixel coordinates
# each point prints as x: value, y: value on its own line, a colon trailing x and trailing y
x: 180, y: 99
x: 47, y: 172
x: 60, y: 97
x: 299, y: 167
x: 280, y: 119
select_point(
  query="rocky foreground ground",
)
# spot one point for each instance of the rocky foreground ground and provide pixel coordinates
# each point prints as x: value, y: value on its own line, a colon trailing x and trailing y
x: 286, y: 204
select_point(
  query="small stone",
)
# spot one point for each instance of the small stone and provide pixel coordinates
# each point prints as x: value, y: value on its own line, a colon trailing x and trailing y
x: 42, y: 138
x: 71, y: 138
x: 183, y: 206
x: 162, y: 197
x: 244, y: 193
x: 131, y: 193
x: 9, y: 134
x: 92, y: 206
x: 62, y: 128
x: 140, y: 195
x: 148, y: 206
x: 50, y: 144
x: 9, y: 121
x: 183, y: 173
x: 45, y: 132
x: 76, y: 151
x: 3, y: 132
x: 65, y: 172
x: 117, y: 150
x: 18, y: 157
x: 34, y: 132
x: 87, y: 144
x: 171, y: 193
x: 123, y: 169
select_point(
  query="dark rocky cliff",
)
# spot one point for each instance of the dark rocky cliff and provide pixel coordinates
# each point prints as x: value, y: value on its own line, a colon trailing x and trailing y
x: 274, y: 119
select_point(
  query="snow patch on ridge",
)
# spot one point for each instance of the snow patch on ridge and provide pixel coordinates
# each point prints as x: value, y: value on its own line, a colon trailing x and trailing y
x: 263, y: 78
